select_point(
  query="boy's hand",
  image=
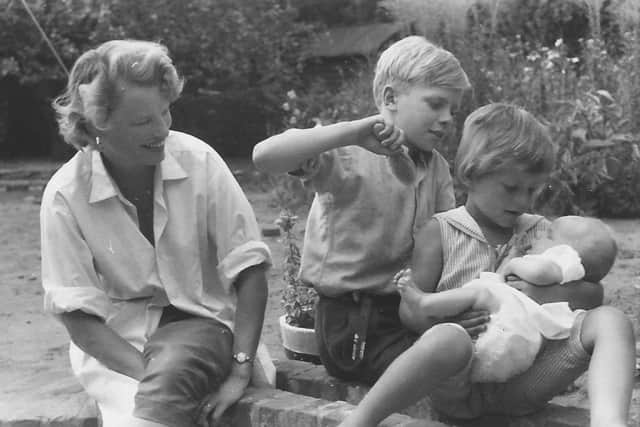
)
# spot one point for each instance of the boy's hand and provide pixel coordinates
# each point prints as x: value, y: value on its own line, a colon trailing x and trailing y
x: 381, y: 137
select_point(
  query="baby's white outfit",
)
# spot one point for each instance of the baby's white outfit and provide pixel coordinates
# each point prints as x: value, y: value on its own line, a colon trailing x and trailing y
x: 518, y: 324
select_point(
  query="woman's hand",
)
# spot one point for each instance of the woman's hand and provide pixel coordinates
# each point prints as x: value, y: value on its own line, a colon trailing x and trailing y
x: 214, y: 405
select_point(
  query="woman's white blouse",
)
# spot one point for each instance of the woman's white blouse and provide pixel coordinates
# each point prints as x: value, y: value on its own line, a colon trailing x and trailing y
x: 95, y: 259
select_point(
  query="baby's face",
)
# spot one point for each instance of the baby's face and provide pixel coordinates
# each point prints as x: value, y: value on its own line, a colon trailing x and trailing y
x: 554, y: 236
x: 543, y: 242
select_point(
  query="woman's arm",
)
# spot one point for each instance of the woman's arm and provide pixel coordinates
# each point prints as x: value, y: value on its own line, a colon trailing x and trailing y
x: 251, y: 290
x: 96, y: 339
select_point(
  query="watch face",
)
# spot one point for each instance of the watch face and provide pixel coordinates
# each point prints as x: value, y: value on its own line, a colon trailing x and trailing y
x: 241, y: 357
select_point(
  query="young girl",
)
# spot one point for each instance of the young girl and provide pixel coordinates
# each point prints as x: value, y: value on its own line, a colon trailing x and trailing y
x: 503, y: 158
x: 574, y: 248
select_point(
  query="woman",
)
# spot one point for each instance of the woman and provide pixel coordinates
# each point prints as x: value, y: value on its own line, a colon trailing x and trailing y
x: 151, y: 254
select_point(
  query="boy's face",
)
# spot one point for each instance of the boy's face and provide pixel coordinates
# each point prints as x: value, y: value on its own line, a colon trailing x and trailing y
x: 424, y: 113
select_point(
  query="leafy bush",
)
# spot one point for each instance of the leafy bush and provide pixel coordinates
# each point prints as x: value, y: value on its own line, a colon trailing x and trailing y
x: 298, y: 298
x: 588, y: 91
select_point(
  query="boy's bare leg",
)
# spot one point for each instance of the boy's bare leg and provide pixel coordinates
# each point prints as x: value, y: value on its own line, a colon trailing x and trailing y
x: 440, y: 353
x: 607, y: 333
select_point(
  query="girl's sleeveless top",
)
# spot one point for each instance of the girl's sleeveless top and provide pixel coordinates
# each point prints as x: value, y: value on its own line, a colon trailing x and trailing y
x: 466, y: 252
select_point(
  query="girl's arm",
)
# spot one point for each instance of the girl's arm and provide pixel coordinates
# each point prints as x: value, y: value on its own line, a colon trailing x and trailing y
x: 427, y: 262
x: 286, y: 151
x: 426, y: 266
x: 579, y: 293
x: 96, y: 339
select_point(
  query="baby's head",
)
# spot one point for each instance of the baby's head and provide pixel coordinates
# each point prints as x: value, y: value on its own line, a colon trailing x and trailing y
x: 590, y: 237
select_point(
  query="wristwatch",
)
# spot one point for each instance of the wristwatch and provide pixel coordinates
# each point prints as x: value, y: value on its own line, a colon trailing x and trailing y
x: 242, y: 357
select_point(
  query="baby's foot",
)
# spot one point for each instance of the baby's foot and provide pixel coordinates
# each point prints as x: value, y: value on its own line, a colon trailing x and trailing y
x: 409, y: 292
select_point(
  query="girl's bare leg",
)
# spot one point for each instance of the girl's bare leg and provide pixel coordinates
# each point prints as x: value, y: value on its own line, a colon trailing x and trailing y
x: 608, y: 335
x: 439, y: 353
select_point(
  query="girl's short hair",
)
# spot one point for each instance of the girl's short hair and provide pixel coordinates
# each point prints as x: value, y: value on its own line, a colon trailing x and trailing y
x: 95, y: 82
x: 499, y: 135
x: 415, y: 60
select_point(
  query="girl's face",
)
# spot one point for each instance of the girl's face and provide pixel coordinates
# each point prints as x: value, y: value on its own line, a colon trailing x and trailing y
x: 424, y: 113
x: 497, y: 199
x: 137, y: 127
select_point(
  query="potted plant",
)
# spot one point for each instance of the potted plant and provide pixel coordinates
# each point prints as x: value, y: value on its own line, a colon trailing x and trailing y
x: 298, y: 300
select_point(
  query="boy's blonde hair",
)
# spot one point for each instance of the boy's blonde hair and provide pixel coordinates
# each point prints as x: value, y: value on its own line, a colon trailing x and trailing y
x: 415, y: 60
x: 498, y: 135
x: 95, y: 81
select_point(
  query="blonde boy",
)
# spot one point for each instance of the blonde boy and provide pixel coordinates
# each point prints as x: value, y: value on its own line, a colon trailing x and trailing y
x: 369, y: 202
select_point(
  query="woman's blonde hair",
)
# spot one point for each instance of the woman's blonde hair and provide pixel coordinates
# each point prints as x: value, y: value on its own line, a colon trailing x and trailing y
x: 415, y: 60
x: 96, y: 80
x: 499, y: 135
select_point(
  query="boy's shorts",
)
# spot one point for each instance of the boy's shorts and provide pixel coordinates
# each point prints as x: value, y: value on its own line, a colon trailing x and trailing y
x: 359, y: 335
x: 558, y: 364
x: 186, y: 358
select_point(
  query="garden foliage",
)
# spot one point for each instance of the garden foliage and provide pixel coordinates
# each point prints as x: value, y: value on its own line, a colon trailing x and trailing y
x: 298, y: 298
x: 547, y: 58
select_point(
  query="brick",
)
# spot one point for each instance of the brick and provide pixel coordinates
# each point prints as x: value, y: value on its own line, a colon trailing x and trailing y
x: 331, y: 414
x: 316, y: 382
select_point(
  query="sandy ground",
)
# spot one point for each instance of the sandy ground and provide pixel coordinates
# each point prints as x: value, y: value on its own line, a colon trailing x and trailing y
x: 34, y: 343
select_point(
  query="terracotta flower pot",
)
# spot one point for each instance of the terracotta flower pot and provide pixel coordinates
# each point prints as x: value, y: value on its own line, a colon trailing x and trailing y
x: 299, y: 343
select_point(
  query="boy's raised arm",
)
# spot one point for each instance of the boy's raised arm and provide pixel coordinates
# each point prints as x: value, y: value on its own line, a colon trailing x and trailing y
x: 286, y: 151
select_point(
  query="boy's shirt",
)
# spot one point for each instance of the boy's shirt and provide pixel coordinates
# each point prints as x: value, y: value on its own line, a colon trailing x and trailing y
x: 362, y: 222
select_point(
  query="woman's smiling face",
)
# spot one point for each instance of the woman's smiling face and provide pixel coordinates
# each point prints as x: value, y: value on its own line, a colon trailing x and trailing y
x: 137, y: 127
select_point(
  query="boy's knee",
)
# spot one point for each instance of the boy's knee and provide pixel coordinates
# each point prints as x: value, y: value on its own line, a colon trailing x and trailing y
x: 448, y: 344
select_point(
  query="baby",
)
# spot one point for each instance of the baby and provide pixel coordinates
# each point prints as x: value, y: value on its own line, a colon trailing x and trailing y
x: 573, y: 248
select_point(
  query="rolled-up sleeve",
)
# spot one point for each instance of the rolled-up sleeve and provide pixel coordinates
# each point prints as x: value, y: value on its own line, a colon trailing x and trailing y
x: 69, y: 278
x: 232, y: 225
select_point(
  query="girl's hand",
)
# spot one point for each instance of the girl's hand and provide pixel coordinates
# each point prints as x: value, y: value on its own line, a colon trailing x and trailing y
x: 474, y: 322
x: 214, y: 405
